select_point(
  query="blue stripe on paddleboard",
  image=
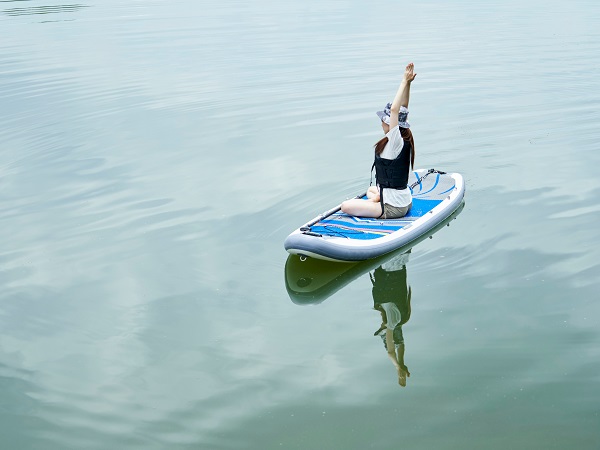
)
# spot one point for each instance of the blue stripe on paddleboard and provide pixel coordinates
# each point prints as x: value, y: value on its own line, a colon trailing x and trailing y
x: 356, y: 226
x: 437, y: 180
x: 447, y: 190
x: 421, y: 207
x: 419, y: 180
x: 350, y: 234
x: 381, y: 224
x: 363, y: 220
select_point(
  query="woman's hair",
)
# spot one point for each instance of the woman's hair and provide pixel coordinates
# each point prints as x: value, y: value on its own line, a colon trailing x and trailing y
x: 407, y: 136
x: 406, y: 313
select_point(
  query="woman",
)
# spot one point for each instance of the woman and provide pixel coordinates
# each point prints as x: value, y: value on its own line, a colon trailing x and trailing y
x: 394, y: 156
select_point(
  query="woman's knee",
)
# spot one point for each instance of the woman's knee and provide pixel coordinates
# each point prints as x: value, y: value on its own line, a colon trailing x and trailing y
x: 374, y: 190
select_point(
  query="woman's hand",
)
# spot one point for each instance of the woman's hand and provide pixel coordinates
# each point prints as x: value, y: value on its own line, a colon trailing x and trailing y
x: 409, y: 73
x: 402, y: 95
x: 403, y: 373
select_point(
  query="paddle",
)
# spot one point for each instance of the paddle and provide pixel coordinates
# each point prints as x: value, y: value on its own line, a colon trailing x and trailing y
x: 326, y: 214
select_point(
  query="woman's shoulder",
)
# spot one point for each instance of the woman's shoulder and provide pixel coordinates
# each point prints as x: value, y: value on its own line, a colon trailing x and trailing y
x: 394, y: 132
x: 395, y: 143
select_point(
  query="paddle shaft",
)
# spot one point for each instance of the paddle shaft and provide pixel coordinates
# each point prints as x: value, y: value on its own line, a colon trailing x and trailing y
x: 325, y: 215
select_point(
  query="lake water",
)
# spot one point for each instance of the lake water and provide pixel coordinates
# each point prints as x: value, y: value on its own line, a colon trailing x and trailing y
x: 155, y: 155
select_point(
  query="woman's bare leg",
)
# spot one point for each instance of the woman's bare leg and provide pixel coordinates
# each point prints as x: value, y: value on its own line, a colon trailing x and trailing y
x: 361, y: 208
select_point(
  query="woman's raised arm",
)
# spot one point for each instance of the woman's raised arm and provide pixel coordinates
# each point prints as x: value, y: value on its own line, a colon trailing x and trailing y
x: 403, y: 94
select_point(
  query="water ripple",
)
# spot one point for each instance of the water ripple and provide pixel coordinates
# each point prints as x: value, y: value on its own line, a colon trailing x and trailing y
x: 155, y: 156
x: 50, y: 9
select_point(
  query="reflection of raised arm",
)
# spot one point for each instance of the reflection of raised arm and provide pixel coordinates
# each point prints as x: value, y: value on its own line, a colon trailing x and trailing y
x: 397, y: 359
x: 389, y: 345
x: 403, y: 94
x: 403, y: 372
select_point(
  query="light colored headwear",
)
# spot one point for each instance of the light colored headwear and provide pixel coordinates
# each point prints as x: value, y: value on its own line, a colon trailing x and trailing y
x: 402, y: 116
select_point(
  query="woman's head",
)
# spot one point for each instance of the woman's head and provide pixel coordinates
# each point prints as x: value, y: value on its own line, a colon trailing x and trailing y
x: 384, y: 116
x: 403, y: 125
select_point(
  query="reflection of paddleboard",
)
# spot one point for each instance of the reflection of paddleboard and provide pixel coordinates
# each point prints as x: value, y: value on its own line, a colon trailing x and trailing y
x: 311, y: 281
x: 336, y: 236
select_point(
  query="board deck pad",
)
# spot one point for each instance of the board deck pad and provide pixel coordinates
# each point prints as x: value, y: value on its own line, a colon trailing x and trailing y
x: 426, y: 195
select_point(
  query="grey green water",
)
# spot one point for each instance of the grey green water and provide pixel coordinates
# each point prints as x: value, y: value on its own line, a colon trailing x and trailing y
x: 154, y: 155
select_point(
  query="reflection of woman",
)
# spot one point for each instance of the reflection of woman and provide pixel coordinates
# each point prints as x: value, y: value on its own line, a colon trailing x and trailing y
x: 391, y: 297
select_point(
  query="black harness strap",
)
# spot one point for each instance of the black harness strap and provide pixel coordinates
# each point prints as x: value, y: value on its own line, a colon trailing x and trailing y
x: 381, y: 203
x: 380, y: 192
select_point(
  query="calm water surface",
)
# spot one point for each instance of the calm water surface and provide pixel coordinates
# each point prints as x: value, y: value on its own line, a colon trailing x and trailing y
x: 156, y: 154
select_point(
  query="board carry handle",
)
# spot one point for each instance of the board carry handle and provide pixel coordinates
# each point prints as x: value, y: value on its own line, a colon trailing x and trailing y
x: 306, y: 228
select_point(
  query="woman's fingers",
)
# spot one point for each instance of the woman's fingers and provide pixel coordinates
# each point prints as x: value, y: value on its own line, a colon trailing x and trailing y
x: 409, y: 72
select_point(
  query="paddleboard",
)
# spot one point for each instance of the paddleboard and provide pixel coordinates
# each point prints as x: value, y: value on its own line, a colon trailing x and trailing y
x: 310, y: 281
x: 336, y: 236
